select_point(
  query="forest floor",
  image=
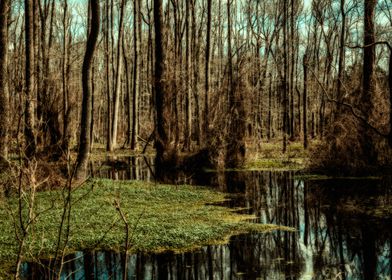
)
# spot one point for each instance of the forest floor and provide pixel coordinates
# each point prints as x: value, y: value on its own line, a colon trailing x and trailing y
x: 264, y: 156
x: 160, y: 218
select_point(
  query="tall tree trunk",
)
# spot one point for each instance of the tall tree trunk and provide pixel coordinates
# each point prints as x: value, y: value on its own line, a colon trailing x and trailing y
x: 164, y: 152
x: 341, y: 57
x: 235, y: 153
x: 107, y: 80
x: 29, y: 129
x: 136, y: 72
x: 84, y: 139
x: 116, y: 96
x: 188, y: 61
x: 292, y: 49
x: 207, y: 71
x: 390, y: 97
x: 368, y: 82
x: 4, y: 94
x: 195, y: 67
x: 65, y: 80
x: 304, y: 102
x: 48, y: 110
x: 284, y: 82
x: 269, y: 120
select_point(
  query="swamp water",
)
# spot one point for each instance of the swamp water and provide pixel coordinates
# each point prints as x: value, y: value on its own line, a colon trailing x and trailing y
x: 343, y: 231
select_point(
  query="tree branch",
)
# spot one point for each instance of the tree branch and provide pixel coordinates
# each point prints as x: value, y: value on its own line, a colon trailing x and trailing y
x: 350, y: 107
x: 386, y: 43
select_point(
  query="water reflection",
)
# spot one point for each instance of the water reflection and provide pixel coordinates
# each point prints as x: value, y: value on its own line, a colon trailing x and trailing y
x: 123, y: 168
x: 343, y: 232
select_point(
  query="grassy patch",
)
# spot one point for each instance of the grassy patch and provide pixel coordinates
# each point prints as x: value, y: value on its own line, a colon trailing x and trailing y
x: 269, y: 156
x: 279, y: 164
x: 161, y: 217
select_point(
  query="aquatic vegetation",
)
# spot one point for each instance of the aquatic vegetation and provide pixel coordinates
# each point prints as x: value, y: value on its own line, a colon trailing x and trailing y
x: 276, y: 164
x: 160, y: 217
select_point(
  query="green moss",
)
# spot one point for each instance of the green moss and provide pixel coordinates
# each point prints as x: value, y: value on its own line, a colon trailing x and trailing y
x: 161, y: 217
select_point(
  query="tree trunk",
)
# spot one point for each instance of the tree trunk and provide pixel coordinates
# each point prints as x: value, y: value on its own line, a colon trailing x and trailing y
x: 107, y: 80
x: 195, y: 65
x: 165, y: 154
x: 65, y: 80
x: 29, y: 130
x: 188, y: 108
x: 368, y: 82
x: 341, y: 57
x: 284, y: 86
x: 235, y: 153
x: 269, y: 120
x: 116, y: 97
x: 84, y: 139
x: 4, y: 94
x: 207, y: 71
x: 304, y: 102
x: 390, y: 97
x: 292, y: 44
x: 136, y: 72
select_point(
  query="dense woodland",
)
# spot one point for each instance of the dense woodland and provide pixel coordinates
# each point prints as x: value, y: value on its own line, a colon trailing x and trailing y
x: 98, y: 98
x: 207, y: 79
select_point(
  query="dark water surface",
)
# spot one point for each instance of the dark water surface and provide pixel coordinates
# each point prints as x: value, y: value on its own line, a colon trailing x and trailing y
x: 343, y: 232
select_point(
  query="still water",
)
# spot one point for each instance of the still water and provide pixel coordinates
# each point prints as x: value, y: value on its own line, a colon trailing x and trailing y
x: 343, y: 231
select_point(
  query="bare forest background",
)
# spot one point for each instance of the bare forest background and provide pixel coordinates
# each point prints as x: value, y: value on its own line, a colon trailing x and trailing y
x: 212, y: 79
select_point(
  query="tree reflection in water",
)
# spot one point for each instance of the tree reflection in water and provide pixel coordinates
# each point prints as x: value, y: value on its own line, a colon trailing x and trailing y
x: 343, y: 232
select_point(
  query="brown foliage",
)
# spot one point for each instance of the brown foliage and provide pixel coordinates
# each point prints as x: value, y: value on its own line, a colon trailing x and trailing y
x: 341, y: 152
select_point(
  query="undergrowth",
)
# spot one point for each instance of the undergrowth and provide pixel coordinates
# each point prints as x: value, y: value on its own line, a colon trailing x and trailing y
x: 269, y: 156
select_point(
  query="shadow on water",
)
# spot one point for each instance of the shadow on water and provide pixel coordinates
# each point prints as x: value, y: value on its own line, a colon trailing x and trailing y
x: 123, y: 168
x: 343, y: 232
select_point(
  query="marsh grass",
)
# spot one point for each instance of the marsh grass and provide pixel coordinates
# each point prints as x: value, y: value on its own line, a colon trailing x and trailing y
x: 161, y: 217
x: 271, y: 157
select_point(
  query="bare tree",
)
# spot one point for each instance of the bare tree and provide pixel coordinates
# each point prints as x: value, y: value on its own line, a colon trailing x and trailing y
x: 85, y: 123
x: 207, y: 70
x: 29, y: 126
x: 4, y: 94
x: 137, y: 31
x: 305, y: 101
x: 164, y: 152
x: 368, y: 80
x: 116, y: 97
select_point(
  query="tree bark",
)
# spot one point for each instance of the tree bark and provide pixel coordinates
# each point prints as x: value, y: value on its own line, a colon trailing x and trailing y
x: 284, y: 86
x: 235, y: 152
x: 136, y: 72
x: 116, y: 97
x: 304, y: 102
x: 188, y: 61
x: 84, y: 139
x: 107, y: 80
x: 390, y: 97
x: 165, y: 153
x: 207, y: 71
x: 4, y: 93
x: 65, y: 81
x: 29, y: 128
x: 368, y: 82
x: 341, y: 56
